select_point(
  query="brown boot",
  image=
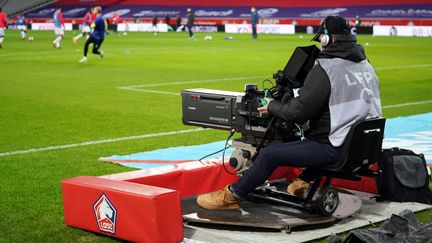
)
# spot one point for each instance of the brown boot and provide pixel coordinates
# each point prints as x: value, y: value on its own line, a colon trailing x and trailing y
x: 298, y: 188
x: 219, y: 200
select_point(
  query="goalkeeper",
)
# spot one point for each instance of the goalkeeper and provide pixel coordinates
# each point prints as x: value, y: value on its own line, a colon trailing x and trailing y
x: 98, y: 35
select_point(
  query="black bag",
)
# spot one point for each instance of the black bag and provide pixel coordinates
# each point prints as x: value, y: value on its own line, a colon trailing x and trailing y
x: 403, y: 177
x: 402, y: 228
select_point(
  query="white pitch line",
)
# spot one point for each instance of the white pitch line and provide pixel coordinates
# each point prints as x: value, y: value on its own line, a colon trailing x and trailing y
x: 34, y: 150
x: 408, y: 104
x: 188, y: 82
x: 404, y: 66
x: 149, y: 91
x: 111, y: 140
x: 139, y: 86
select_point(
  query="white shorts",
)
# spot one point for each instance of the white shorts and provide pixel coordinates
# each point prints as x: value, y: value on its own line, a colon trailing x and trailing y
x: 58, y: 31
x: 86, y: 29
x: 1, y: 32
x: 22, y: 27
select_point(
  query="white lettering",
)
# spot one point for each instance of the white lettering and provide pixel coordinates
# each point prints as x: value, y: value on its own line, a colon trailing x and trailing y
x: 348, y: 80
x: 150, y: 13
x: 368, y: 76
x: 119, y: 11
x: 219, y: 119
x: 74, y: 11
x: 359, y: 77
x: 324, y: 12
x: 204, y: 13
x: 107, y: 226
x: 267, y: 12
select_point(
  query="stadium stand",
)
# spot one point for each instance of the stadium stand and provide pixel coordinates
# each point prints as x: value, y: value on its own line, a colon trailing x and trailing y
x: 219, y: 12
x: 14, y: 7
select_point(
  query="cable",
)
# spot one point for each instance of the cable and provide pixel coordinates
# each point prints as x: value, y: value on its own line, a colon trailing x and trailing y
x: 212, y: 154
x: 266, y: 80
x: 223, y: 154
x: 300, y: 130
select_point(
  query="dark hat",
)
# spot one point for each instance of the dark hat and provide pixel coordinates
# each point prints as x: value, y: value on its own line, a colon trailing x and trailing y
x: 334, y: 25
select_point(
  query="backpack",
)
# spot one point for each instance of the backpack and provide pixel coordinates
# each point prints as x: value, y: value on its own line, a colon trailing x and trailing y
x: 403, y: 177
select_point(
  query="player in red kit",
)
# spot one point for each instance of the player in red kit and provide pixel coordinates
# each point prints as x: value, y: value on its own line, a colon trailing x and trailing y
x: 3, y: 26
x: 115, y: 20
x: 85, y: 27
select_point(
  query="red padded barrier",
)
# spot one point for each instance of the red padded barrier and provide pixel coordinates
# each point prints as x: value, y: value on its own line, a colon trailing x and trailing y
x: 189, y: 179
x: 125, y: 210
x: 192, y: 178
x: 145, y: 204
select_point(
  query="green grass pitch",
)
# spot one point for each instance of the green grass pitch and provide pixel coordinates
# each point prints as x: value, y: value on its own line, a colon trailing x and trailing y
x: 48, y: 99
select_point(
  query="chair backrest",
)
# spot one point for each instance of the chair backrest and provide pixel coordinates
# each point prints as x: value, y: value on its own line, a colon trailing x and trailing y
x: 362, y: 146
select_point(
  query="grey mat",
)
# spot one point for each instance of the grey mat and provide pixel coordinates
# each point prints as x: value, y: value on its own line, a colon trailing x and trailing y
x: 371, y: 212
x: 267, y: 215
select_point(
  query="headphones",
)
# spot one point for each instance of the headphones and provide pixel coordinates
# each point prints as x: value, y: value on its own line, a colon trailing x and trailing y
x: 325, y: 39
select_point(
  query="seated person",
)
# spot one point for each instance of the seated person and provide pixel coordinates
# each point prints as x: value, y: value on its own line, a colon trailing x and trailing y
x: 341, y: 89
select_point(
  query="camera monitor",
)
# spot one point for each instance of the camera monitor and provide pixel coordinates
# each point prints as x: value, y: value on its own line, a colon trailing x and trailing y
x: 300, y: 63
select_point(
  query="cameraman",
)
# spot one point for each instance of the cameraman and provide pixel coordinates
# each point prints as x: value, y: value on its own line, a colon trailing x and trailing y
x: 341, y: 89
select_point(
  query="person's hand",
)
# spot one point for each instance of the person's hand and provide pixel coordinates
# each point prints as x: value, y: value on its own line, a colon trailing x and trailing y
x: 254, y: 153
x: 264, y: 109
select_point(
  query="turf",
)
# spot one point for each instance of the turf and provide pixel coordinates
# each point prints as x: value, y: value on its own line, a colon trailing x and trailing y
x: 48, y: 99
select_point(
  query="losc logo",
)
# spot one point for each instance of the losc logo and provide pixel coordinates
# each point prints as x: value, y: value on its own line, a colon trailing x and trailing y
x: 106, y: 214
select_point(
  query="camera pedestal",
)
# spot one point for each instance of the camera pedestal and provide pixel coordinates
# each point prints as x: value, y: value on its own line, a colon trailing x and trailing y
x: 267, y: 215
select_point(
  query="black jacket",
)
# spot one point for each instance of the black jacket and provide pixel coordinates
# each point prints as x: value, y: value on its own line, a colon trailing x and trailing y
x: 311, y: 106
x: 191, y: 19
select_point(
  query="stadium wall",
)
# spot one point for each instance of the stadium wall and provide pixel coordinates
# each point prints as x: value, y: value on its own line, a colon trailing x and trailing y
x: 221, y: 12
x: 381, y: 12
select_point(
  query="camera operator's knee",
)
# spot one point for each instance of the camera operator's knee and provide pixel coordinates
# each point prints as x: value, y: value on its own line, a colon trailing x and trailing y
x: 262, y: 155
x: 266, y: 158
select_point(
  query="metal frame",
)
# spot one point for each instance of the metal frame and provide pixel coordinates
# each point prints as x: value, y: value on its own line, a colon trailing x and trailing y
x: 340, y: 170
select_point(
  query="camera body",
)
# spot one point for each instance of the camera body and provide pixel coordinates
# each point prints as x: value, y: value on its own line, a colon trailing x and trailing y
x: 237, y: 111
x: 226, y: 110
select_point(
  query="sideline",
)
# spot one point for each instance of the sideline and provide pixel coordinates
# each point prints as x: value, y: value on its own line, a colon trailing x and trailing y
x: 134, y: 87
x: 34, y: 150
x: 404, y: 66
x: 111, y: 140
x: 408, y: 104
x: 66, y: 146
x: 139, y: 87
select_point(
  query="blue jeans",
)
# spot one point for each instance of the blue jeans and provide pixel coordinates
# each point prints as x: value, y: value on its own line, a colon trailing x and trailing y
x: 305, y: 153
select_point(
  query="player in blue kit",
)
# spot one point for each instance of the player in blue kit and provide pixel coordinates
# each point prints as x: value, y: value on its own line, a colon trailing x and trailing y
x: 58, y: 28
x: 21, y: 24
x: 98, y: 35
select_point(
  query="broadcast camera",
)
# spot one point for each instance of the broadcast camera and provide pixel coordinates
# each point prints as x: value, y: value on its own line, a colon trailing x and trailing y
x: 237, y: 112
